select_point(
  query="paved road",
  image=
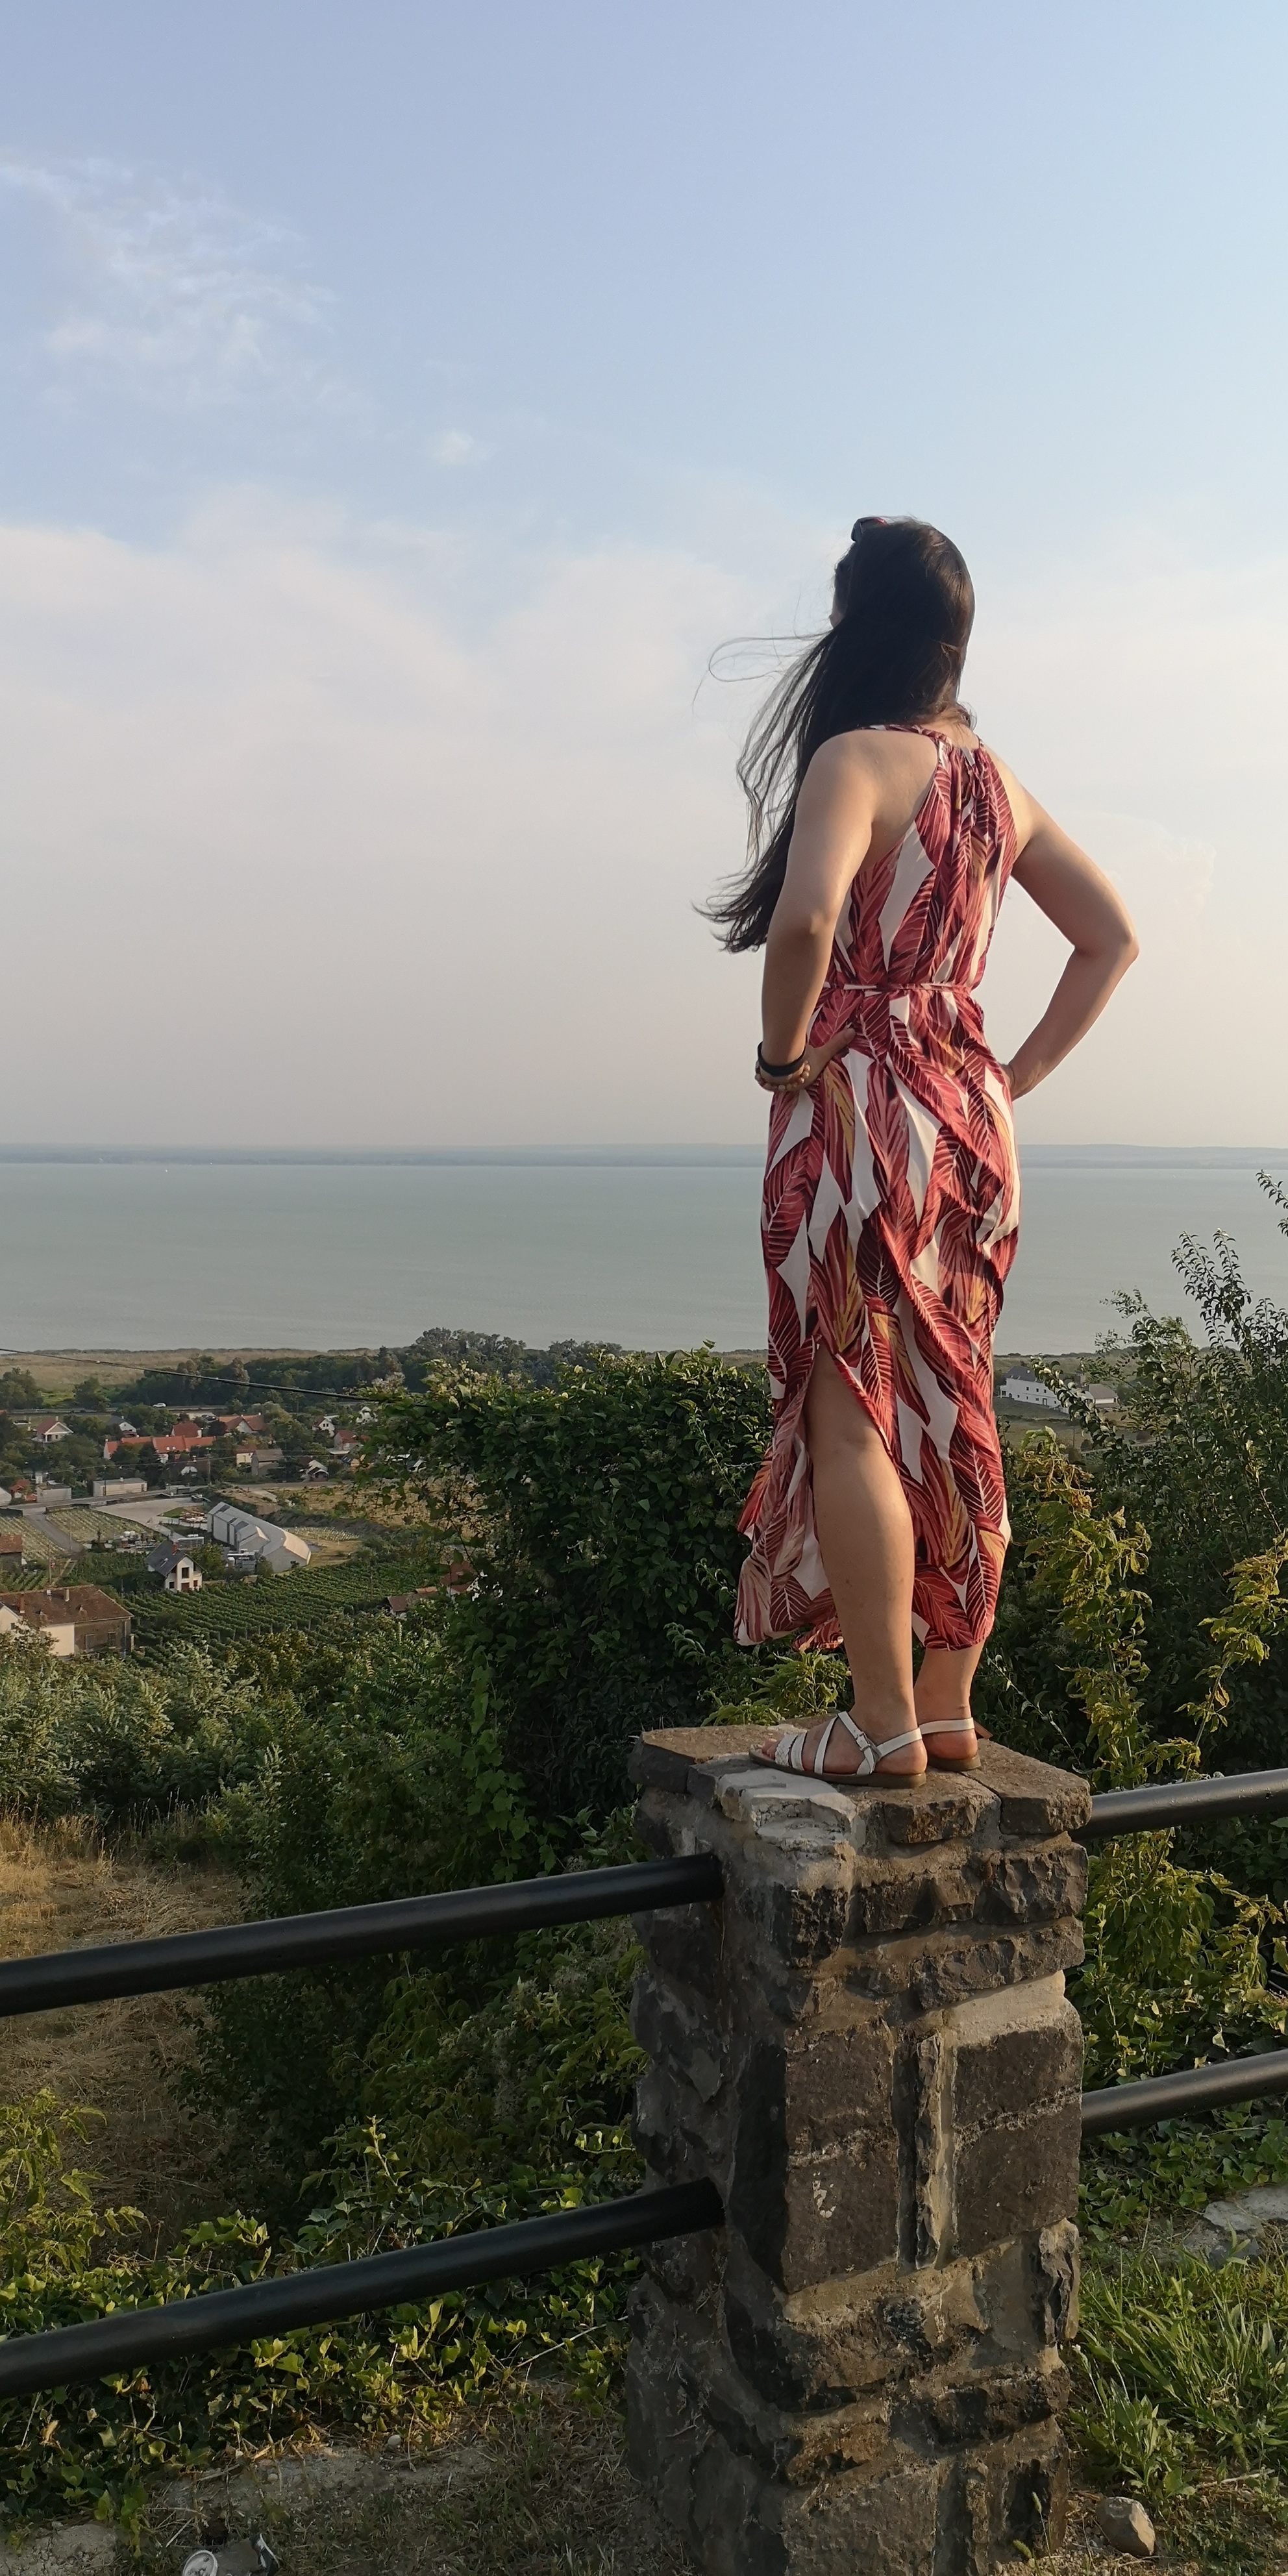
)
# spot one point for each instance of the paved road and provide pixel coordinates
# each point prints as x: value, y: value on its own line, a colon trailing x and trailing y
x: 149, y: 1512
x: 66, y: 1545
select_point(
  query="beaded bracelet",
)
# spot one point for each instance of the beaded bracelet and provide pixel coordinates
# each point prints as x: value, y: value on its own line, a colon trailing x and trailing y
x: 780, y: 1072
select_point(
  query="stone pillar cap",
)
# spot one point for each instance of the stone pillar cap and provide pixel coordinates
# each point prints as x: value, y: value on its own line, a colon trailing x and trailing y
x: 1030, y: 1800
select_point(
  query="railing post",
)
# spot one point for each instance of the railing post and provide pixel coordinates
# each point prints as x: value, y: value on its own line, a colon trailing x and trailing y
x: 868, y: 2049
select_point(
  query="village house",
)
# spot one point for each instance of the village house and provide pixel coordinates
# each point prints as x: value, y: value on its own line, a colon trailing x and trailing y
x: 56, y: 1635
x: 242, y: 1426
x: 175, y: 1567
x: 98, y: 1624
x: 172, y: 1447
x: 1019, y: 1386
x: 49, y: 1429
x: 1104, y: 1398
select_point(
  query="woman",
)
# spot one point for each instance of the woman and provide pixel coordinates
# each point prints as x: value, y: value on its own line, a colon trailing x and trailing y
x: 882, y: 837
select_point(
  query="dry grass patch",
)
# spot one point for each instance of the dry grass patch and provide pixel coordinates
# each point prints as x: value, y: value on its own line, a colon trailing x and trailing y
x: 536, y: 2487
x: 61, y: 1887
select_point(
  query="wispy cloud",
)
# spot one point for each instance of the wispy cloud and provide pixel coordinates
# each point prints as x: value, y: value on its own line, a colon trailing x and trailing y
x: 455, y: 447
x: 168, y: 291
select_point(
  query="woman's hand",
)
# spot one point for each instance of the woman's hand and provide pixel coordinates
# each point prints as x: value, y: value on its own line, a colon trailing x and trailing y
x: 817, y: 1059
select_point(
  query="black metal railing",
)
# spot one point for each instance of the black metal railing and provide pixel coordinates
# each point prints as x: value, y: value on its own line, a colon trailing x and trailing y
x: 351, y: 1932
x: 1184, y: 1802
x: 30, y: 2362
x: 331, y: 2290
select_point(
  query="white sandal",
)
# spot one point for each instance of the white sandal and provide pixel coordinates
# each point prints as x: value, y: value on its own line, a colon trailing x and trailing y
x: 789, y: 1752
x: 948, y: 1726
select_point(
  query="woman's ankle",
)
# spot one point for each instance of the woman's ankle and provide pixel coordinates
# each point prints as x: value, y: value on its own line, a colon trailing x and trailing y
x: 881, y: 1723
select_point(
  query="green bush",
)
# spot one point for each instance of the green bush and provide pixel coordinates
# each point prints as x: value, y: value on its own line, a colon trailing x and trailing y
x: 95, y: 2446
x: 385, y: 1779
x: 121, y: 1743
x: 601, y: 1516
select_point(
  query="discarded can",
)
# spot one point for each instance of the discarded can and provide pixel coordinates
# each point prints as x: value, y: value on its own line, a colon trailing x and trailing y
x: 232, y: 2558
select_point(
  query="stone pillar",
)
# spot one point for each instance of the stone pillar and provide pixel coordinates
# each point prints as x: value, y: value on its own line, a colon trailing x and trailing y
x: 868, y: 2049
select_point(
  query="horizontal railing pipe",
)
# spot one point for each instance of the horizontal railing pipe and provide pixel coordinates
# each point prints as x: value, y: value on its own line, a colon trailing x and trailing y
x: 352, y: 1932
x: 1184, y: 1802
x: 332, y: 2290
x: 1196, y: 2088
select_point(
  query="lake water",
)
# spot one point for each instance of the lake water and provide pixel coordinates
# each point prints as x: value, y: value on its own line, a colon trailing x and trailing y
x: 650, y: 1249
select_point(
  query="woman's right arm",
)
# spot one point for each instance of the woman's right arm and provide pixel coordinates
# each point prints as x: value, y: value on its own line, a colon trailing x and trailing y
x: 1074, y: 894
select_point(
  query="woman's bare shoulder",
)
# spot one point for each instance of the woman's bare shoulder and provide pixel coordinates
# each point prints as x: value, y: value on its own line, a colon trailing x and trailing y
x: 868, y: 753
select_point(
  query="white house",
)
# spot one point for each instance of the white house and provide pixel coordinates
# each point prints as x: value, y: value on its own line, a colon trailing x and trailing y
x: 1104, y: 1398
x: 176, y: 1568
x: 279, y: 1549
x: 1019, y: 1386
x: 49, y: 1429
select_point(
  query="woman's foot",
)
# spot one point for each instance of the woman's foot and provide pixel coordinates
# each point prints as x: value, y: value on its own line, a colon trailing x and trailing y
x: 839, y: 1749
x: 951, y: 1742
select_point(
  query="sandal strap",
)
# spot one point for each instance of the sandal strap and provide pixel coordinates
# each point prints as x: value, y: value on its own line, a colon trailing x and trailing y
x: 874, y: 1753
x: 789, y: 1751
x: 819, y: 1764
x: 947, y: 1726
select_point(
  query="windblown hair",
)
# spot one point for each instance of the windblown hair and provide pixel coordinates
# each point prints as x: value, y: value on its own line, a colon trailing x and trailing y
x: 894, y: 657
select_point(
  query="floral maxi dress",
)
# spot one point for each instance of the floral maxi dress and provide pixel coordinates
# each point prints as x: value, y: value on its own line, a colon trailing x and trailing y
x: 890, y: 1216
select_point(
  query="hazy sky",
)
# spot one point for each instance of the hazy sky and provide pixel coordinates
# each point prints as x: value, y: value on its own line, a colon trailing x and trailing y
x: 403, y: 401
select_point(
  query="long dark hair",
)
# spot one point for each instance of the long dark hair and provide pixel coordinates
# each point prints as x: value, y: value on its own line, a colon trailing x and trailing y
x: 894, y: 657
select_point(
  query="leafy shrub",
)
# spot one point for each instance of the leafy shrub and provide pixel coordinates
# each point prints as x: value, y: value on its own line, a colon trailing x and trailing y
x: 118, y: 1742
x: 1176, y: 1963
x: 1207, y: 1474
x: 94, y: 2446
x: 601, y: 1516
x: 385, y: 1779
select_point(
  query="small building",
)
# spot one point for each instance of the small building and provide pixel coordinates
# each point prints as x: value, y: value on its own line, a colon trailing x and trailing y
x: 175, y: 1567
x: 48, y: 1490
x: 120, y: 1489
x: 1104, y: 1398
x: 1019, y: 1386
x: 281, y: 1550
x: 49, y: 1428
x: 314, y: 1470
x: 57, y: 1636
x: 265, y: 1461
x: 11, y: 1544
x: 242, y: 1426
x: 98, y: 1624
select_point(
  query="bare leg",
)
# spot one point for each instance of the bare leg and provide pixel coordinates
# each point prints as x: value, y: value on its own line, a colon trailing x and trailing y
x: 865, y: 1537
x: 943, y: 1691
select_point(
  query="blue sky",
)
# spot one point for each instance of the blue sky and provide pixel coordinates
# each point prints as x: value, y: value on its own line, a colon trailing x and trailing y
x: 402, y: 402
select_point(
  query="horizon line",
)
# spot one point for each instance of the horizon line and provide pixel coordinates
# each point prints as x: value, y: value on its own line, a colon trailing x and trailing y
x: 742, y: 1153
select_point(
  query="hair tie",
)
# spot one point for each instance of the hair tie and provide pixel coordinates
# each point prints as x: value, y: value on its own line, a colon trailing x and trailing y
x: 867, y: 523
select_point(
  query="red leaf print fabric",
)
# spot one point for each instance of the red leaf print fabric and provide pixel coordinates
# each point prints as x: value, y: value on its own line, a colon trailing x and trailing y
x: 890, y: 1215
